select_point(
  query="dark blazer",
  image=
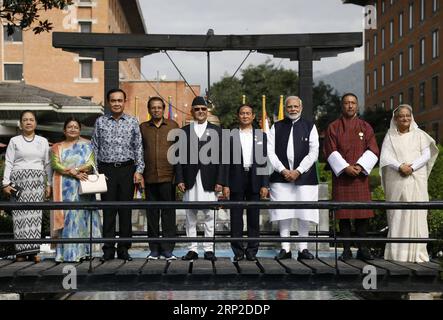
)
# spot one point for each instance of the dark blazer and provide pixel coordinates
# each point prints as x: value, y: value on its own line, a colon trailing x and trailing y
x: 235, y: 176
x: 212, y: 173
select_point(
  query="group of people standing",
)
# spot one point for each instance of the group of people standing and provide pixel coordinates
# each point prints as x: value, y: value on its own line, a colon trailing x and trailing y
x: 280, y: 164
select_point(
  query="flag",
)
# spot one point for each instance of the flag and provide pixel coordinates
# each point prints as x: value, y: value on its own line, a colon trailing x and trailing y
x: 243, y: 99
x: 170, y: 114
x: 264, y: 116
x: 281, y: 113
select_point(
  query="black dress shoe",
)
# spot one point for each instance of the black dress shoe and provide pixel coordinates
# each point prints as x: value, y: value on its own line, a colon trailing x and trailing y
x: 305, y: 255
x: 250, y: 257
x: 209, y: 255
x: 191, y: 255
x: 346, y: 255
x: 124, y: 256
x: 283, y: 255
x: 107, y: 256
x: 364, y: 254
x: 239, y: 257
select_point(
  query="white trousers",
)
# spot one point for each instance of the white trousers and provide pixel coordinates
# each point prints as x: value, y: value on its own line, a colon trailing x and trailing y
x: 285, y: 231
x: 191, y: 228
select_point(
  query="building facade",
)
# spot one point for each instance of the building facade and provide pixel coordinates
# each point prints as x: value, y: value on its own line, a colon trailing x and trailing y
x: 403, y: 59
x: 31, y: 58
x: 177, y: 92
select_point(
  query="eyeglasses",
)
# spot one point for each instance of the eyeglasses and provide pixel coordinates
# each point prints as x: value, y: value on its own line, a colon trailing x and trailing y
x: 201, y: 109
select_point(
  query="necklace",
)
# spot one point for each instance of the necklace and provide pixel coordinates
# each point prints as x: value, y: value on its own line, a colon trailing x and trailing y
x: 28, y: 140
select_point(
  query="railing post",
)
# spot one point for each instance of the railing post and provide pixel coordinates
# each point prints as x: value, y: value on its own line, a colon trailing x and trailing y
x: 316, y: 242
x: 335, y: 239
x: 90, y: 241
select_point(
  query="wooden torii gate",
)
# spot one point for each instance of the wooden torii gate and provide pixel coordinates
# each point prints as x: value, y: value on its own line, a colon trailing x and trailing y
x: 305, y: 48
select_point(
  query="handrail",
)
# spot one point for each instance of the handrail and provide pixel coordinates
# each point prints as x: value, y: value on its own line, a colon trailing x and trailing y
x: 331, y: 205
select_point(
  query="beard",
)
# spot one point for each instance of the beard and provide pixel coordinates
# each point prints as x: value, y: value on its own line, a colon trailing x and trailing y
x: 294, y: 116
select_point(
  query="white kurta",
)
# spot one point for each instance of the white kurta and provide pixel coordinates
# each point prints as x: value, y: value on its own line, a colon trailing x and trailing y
x: 418, y: 148
x: 289, y: 191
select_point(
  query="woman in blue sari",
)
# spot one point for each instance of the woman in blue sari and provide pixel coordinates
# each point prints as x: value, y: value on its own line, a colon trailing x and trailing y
x: 71, y: 160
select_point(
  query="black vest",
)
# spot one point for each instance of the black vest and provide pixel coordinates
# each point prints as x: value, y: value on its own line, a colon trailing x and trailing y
x: 301, y: 133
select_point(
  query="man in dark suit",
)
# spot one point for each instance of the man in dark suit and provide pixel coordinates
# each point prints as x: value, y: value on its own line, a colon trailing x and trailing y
x: 245, y: 182
x: 201, y: 174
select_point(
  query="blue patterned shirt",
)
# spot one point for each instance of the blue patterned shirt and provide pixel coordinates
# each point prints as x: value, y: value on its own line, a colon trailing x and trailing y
x: 118, y: 140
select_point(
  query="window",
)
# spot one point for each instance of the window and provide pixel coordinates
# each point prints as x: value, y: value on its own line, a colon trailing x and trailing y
x: 375, y: 44
x: 85, y: 69
x: 422, y: 10
x: 411, y: 58
x: 435, y: 90
x: 411, y: 96
x: 382, y: 6
x: 383, y: 105
x: 383, y: 75
x: 367, y: 50
x: 391, y: 31
x: 400, y: 98
x: 89, y: 98
x: 85, y: 26
x: 17, y: 36
x: 434, y: 44
x: 411, y: 15
x: 422, y: 96
x: 13, y: 72
x: 375, y: 79
x: 434, y: 5
x: 422, y: 51
x: 400, y: 24
x: 435, y: 130
x: 400, y: 64
x: 382, y: 38
x: 391, y: 70
x: 391, y: 103
x: 367, y: 83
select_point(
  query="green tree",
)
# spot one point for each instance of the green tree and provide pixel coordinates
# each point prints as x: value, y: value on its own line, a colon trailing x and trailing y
x: 24, y: 14
x: 379, y: 119
x: 226, y: 96
x: 266, y: 79
x: 326, y: 102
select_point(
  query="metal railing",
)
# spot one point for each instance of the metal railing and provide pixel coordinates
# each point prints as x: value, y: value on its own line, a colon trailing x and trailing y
x: 332, y: 206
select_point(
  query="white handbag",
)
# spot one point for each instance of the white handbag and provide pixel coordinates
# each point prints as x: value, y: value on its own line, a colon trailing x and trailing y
x: 96, y: 183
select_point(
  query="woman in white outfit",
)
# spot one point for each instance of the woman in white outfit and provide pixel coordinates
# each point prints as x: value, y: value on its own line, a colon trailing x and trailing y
x: 407, y: 157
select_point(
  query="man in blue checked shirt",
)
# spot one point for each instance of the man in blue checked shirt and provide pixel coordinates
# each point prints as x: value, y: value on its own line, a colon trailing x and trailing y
x: 117, y: 144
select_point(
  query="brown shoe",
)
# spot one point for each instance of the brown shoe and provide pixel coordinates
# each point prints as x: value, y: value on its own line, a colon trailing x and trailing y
x: 20, y: 259
x: 37, y: 259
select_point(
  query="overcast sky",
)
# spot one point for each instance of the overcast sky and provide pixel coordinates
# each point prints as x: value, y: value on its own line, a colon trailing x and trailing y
x: 243, y: 17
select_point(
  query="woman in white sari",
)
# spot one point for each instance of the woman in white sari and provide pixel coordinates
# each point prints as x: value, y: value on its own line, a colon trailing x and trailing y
x: 406, y: 160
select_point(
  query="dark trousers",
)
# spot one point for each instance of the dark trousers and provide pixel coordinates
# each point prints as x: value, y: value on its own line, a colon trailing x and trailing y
x: 361, y: 227
x: 120, y: 188
x: 161, y: 192
x: 252, y: 217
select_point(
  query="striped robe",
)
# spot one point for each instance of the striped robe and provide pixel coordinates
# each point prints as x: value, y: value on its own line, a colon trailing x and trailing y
x: 353, y: 141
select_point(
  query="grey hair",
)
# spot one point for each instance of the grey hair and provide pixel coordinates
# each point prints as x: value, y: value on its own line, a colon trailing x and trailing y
x: 293, y: 97
x: 402, y: 106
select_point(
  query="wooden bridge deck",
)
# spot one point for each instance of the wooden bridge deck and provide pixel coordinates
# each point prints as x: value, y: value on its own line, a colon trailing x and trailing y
x: 266, y: 273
